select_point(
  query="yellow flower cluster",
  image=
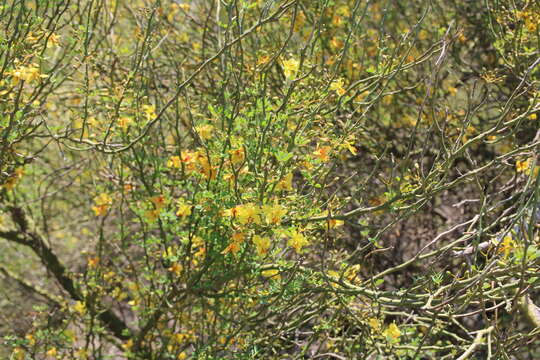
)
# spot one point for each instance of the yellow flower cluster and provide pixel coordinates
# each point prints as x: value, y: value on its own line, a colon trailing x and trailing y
x: 530, y: 18
x: 290, y: 67
x: 391, y: 332
x: 250, y: 213
x: 102, y: 204
x: 297, y: 241
x: 196, y: 161
x: 26, y: 73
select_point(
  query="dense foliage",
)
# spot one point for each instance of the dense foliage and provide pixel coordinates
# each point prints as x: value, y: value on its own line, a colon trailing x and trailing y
x: 242, y: 179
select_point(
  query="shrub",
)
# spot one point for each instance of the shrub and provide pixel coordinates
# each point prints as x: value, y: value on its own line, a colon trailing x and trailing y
x: 269, y: 179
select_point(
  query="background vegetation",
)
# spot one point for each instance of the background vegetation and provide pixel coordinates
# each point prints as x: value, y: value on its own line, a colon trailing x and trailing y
x: 303, y: 179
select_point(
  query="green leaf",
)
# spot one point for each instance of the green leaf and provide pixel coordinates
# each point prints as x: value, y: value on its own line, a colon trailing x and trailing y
x: 283, y: 156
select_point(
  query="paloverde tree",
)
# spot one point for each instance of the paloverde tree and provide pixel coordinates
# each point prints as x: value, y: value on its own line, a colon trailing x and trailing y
x: 227, y: 179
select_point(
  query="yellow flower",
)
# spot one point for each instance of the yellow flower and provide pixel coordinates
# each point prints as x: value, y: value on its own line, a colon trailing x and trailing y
x: 103, y: 202
x: 149, y: 111
x: 297, y: 241
x: 262, y: 244
x: 233, y: 248
x: 237, y: 155
x: 179, y: 338
x: 532, y: 117
x: 174, y: 162
x: 531, y: 24
x: 352, y: 272
x: 333, y: 274
x: 93, y: 262
x: 229, y: 212
x: 206, y: 168
x: 337, y: 20
x: 322, y: 153
x: 522, y: 166
x: 32, y: 38
x: 285, y: 184
x: 290, y: 67
x: 103, y: 199
x: 201, y: 252
x: 273, y: 213
x: 26, y: 73
x: 337, y: 86
x: 109, y: 276
x: 234, y: 245
x: 392, y: 332
x: 79, y: 307
x: 374, y: 324
x: 205, y: 131
x: 271, y: 274
x: 52, y: 352
x: 53, y: 40
x: 169, y: 252
x: 248, y: 213
x: 18, y: 353
x: 176, y: 268
x: 128, y: 345
x: 125, y: 122
x: 183, y: 209
x: 158, y: 201
x: 263, y: 60
x: 349, y: 145
x: 238, y: 237
x: 31, y: 339
x: 333, y: 223
x: 188, y: 158
x: 507, y: 245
